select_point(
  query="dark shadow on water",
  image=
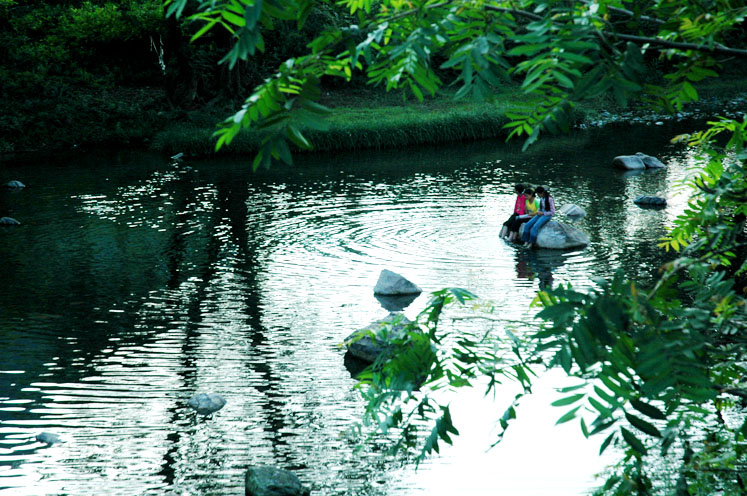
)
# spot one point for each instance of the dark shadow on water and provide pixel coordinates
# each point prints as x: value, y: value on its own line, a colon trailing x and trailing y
x: 396, y: 303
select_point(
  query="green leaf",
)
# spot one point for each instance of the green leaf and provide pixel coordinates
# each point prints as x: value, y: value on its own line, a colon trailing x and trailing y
x: 606, y: 443
x: 647, y: 409
x: 570, y: 415
x: 568, y: 400
x: 642, y: 425
x: 633, y: 441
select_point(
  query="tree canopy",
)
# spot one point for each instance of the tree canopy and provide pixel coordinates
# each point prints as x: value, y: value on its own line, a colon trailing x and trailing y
x: 657, y: 369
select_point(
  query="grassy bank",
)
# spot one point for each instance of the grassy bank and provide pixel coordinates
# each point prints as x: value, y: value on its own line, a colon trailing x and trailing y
x: 362, y: 122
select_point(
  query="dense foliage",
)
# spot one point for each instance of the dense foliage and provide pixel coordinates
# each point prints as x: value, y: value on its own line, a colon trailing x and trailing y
x: 658, y: 371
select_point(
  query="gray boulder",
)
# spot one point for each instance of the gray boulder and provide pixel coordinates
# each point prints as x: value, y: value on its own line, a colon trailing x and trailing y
x: 628, y: 162
x: 7, y: 221
x: 651, y: 162
x: 15, y: 184
x: 48, y: 438
x: 264, y: 480
x: 558, y: 236
x: 206, y: 403
x: 363, y: 346
x: 391, y: 283
x: 650, y: 201
x: 573, y: 212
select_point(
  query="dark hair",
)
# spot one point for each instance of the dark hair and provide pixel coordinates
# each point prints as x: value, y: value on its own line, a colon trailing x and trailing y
x: 539, y: 190
x: 519, y: 188
x: 528, y: 192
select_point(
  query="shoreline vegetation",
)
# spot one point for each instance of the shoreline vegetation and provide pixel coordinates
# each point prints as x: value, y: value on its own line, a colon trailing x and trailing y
x: 361, y: 119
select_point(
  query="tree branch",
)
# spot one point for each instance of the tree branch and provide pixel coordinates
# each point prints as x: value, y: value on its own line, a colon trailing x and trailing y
x: 716, y: 48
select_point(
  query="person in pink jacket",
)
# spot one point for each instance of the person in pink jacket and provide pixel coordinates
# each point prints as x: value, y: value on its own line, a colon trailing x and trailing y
x: 519, y: 209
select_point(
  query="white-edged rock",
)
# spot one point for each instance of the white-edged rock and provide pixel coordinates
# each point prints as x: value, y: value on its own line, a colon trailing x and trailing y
x: 572, y: 211
x: 15, y: 184
x: 8, y: 221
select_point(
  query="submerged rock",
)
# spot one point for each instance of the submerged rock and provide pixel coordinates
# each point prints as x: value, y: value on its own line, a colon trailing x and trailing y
x: 391, y: 283
x: 48, y: 438
x: 558, y: 236
x: 650, y: 201
x: 8, y: 221
x: 364, y: 347
x: 206, y: 403
x: 264, y: 480
x: 651, y: 162
x: 15, y: 184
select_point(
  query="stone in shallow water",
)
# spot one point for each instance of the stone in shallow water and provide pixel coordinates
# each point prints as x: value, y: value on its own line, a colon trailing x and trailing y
x: 573, y: 212
x: 362, y: 346
x: 650, y: 201
x: 8, y: 221
x: 206, y: 403
x: 391, y: 283
x: 651, y: 162
x: 15, y: 184
x: 48, y: 438
x: 264, y: 480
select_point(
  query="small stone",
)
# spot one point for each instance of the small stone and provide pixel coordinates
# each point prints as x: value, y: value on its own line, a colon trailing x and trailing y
x: 48, y: 438
x: 8, y: 221
x: 650, y: 201
x: 15, y: 184
x: 206, y: 403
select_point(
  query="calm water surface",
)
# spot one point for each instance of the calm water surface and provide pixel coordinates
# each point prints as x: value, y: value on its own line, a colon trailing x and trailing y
x: 134, y: 283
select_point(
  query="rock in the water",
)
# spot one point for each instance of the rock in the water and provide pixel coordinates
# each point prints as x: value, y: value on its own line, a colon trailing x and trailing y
x: 395, y: 303
x: 391, y: 283
x: 651, y: 162
x: 362, y: 346
x: 559, y: 236
x: 628, y: 162
x: 7, y: 221
x: 206, y: 403
x: 573, y: 212
x: 48, y: 438
x: 15, y: 184
x: 264, y: 480
x: 650, y: 201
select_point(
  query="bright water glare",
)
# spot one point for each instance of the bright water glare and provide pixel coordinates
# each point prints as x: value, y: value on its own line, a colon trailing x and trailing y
x: 134, y: 282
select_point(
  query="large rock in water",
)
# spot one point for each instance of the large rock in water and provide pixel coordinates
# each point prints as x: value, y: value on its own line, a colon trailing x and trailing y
x: 650, y: 162
x: 362, y: 346
x: 264, y: 480
x: 628, y: 162
x: 206, y: 403
x: 558, y: 236
x: 391, y: 283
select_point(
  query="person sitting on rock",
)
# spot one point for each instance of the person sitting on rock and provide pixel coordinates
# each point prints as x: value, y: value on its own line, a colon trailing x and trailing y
x: 530, y: 210
x: 546, y: 211
x: 519, y: 209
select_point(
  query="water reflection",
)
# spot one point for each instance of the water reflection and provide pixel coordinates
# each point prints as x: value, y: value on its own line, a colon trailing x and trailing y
x: 135, y: 283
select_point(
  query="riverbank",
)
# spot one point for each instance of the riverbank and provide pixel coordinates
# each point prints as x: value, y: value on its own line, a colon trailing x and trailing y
x: 141, y: 118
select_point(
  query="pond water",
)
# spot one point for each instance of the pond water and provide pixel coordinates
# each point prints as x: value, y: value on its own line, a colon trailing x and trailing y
x: 135, y: 282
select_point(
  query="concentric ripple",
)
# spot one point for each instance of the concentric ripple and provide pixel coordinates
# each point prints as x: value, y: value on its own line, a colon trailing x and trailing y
x: 134, y: 284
